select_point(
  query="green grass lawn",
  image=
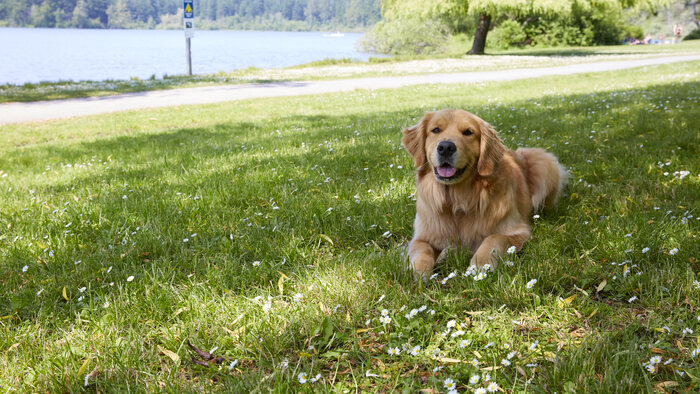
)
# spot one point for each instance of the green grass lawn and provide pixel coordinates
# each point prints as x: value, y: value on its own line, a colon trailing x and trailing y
x: 271, y: 233
x: 453, y: 60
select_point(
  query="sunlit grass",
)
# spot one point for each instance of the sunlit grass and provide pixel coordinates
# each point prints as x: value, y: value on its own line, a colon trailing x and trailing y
x: 126, y: 235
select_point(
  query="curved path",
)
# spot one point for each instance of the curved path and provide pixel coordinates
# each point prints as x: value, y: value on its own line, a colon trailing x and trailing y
x: 46, y: 110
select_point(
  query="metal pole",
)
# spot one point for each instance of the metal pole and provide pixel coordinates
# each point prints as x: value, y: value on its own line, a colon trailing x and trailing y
x: 189, y: 56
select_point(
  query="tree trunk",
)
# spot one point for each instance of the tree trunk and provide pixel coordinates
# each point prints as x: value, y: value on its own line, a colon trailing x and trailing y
x: 482, y: 30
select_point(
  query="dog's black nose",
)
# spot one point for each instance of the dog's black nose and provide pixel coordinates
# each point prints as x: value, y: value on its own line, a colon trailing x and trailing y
x: 446, y: 148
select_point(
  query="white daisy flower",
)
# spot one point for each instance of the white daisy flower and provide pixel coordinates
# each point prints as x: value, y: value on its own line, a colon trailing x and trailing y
x: 533, y: 345
x: 486, y: 377
x: 492, y: 387
x: 457, y: 333
x: 687, y: 331
x: 655, y: 360
x: 474, y: 379
x: 298, y: 297
x: 511, y: 250
x: 464, y: 343
x: 256, y: 263
x: 415, y: 350
x: 474, y: 362
x: 233, y: 364
x: 451, y: 323
x: 129, y: 279
x: 385, y: 312
x: 302, y: 377
x: 531, y: 283
x: 673, y: 251
x: 505, y: 362
x: 449, y: 384
x: 25, y: 268
x: 644, y: 250
x: 394, y: 351
x: 480, y: 390
x: 385, y: 320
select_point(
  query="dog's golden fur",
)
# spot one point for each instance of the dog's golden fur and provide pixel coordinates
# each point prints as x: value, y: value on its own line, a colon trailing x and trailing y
x: 476, y: 194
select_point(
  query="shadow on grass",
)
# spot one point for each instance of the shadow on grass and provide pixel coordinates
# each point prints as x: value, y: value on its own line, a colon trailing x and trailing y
x: 230, y: 167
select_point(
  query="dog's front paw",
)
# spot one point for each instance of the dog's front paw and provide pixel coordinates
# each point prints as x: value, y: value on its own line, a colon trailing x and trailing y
x: 422, y: 267
x: 483, y: 259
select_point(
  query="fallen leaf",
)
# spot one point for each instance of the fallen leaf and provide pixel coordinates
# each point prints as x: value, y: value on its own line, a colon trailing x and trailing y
x: 280, y: 282
x: 206, y: 358
x: 601, y: 286
x: 173, y: 356
x: 448, y: 360
x: 668, y: 383
x: 592, y: 313
x: 325, y: 237
x: 83, y: 368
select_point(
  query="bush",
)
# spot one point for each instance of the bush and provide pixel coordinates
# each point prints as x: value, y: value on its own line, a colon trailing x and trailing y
x: 557, y: 32
x: 508, y: 34
x: 693, y: 35
x: 634, y: 32
x: 413, y: 36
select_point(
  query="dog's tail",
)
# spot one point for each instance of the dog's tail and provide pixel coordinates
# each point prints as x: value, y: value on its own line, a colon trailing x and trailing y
x: 546, y: 178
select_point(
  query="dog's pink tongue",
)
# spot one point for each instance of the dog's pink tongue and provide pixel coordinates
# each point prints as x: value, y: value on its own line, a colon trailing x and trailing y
x: 446, y: 172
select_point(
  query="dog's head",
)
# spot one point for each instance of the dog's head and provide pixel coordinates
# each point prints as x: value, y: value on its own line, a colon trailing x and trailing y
x: 454, y: 144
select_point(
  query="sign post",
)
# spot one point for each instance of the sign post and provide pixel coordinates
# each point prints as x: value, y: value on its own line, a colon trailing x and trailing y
x: 188, y: 17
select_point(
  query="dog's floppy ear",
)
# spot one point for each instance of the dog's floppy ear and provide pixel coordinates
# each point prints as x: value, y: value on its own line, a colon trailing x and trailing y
x: 491, y: 149
x: 414, y: 140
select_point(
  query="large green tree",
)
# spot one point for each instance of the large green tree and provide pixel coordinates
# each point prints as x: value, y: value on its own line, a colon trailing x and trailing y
x: 489, y: 10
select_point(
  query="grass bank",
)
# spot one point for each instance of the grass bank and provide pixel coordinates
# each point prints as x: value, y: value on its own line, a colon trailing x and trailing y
x: 271, y: 234
x: 452, y: 61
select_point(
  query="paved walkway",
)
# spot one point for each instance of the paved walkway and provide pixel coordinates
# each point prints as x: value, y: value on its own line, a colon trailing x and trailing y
x: 45, y: 110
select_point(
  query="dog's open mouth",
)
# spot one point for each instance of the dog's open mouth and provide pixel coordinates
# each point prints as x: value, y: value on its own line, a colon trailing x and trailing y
x: 446, y: 172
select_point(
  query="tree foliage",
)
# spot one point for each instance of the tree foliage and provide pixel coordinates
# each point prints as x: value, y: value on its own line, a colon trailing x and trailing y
x: 513, y: 22
x: 263, y: 14
x: 559, y: 13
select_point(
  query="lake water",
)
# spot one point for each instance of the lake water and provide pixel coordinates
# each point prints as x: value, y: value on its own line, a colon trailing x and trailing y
x: 35, y: 55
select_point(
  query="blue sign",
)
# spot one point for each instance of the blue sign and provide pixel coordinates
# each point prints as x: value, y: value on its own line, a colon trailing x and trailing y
x: 189, y: 9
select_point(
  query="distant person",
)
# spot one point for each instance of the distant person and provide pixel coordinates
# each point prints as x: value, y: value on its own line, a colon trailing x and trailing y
x: 678, y: 31
x: 647, y: 39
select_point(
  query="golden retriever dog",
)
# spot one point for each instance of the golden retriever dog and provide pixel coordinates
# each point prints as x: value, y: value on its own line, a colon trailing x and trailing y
x: 472, y: 191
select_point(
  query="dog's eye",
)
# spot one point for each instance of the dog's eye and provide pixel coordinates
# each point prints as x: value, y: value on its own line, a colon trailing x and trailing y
x: 468, y: 132
x: 435, y: 130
